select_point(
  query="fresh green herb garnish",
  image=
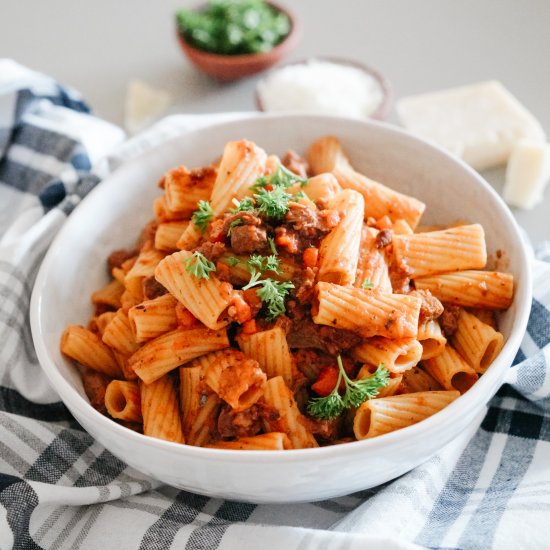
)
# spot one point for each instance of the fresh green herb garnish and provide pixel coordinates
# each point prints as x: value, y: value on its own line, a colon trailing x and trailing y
x: 271, y: 293
x: 282, y: 177
x: 264, y: 263
x: 232, y: 261
x: 233, y: 27
x: 272, y: 246
x: 367, y: 284
x: 202, y: 216
x: 356, y: 393
x: 246, y: 205
x: 199, y: 265
x: 272, y: 204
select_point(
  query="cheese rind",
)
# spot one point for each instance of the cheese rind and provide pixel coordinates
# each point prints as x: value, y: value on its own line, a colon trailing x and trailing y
x: 480, y: 123
x: 527, y: 174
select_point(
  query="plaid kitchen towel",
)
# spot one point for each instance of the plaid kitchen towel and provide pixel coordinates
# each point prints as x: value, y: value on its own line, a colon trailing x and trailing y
x: 60, y: 489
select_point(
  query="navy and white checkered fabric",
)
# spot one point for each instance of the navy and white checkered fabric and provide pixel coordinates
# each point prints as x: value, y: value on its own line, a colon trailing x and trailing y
x: 60, y: 489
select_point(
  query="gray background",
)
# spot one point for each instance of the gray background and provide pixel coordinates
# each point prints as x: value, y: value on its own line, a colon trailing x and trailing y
x: 422, y: 45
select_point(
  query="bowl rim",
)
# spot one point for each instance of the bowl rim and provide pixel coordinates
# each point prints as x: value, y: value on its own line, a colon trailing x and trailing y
x: 381, y: 112
x: 242, y: 59
x: 488, y: 383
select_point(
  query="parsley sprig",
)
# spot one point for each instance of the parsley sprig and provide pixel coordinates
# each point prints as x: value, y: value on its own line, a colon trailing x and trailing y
x: 357, y: 392
x: 272, y: 204
x: 244, y: 205
x: 264, y: 263
x: 199, y: 265
x: 282, y: 177
x: 202, y: 216
x: 272, y: 293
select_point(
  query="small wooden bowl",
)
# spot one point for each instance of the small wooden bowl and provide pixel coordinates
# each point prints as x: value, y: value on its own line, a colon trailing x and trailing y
x: 233, y: 67
x: 381, y: 112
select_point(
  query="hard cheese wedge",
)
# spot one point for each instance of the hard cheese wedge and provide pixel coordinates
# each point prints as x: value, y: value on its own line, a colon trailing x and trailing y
x: 143, y: 104
x: 481, y: 123
x: 527, y: 174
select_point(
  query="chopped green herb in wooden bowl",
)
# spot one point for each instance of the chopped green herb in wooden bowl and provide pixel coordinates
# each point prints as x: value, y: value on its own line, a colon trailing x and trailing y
x: 230, y: 39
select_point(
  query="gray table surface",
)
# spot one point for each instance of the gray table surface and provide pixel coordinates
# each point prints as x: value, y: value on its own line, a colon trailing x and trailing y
x: 420, y: 46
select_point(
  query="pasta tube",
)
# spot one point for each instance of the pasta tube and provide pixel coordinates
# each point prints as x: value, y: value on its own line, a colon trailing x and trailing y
x: 431, y: 338
x: 207, y: 299
x: 173, y: 349
x: 242, y: 164
x: 339, y: 251
x: 417, y: 380
x: 372, y: 267
x: 390, y: 389
x: 326, y: 155
x: 109, y: 295
x: 168, y: 234
x: 152, y: 318
x: 396, y: 355
x: 238, y: 380
x: 160, y: 409
x: 85, y: 347
x: 451, y: 371
x: 291, y: 421
x: 118, y: 334
x: 477, y: 342
x: 270, y: 349
x: 322, y: 188
x: 184, y: 189
x: 368, y: 312
x: 123, y: 400
x: 453, y: 249
x: 379, y: 416
x: 479, y: 289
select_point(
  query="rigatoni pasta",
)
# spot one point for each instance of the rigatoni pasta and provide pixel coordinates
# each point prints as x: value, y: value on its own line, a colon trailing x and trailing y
x: 279, y: 304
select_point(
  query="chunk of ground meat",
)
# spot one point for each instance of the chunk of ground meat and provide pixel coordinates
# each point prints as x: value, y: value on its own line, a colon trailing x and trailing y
x: 118, y: 257
x: 430, y: 308
x: 212, y: 251
x: 245, y: 423
x: 95, y: 384
x: 289, y: 239
x: 305, y: 285
x: 310, y: 221
x: 325, y: 430
x: 310, y: 362
x: 400, y: 277
x: 295, y: 163
x: 337, y: 340
x: 306, y: 334
x: 152, y: 288
x: 244, y: 218
x: 449, y: 320
x: 246, y: 239
x: 301, y: 217
x: 384, y: 238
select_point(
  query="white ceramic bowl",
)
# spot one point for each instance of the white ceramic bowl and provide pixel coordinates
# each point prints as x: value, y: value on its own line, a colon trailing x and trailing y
x: 111, y: 217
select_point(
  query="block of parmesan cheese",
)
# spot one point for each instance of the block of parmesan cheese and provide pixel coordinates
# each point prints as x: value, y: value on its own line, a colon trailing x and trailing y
x: 527, y: 174
x: 480, y: 123
x: 143, y: 104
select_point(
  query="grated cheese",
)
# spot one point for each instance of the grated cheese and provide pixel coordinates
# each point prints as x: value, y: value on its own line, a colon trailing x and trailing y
x: 321, y: 87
